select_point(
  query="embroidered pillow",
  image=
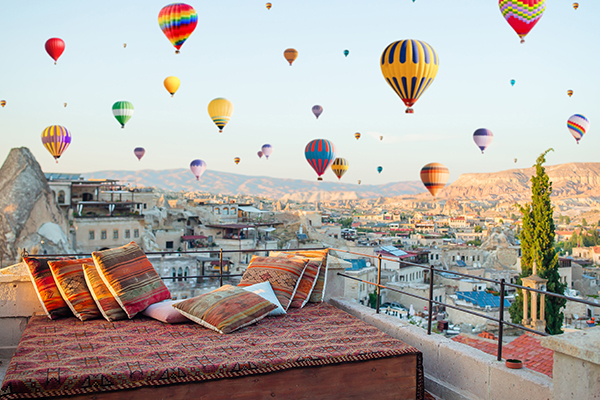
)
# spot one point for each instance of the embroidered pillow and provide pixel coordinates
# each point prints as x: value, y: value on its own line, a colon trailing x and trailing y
x: 265, y: 291
x: 105, y: 301
x: 317, y: 294
x: 284, y: 274
x: 130, y: 277
x: 68, y: 275
x: 47, y: 291
x: 165, y: 312
x: 308, y: 281
x: 226, y: 309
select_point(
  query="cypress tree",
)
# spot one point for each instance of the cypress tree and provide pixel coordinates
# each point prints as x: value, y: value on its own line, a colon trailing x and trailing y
x: 537, y: 243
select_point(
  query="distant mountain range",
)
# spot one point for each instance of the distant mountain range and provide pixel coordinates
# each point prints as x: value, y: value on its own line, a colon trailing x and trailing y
x: 568, y: 180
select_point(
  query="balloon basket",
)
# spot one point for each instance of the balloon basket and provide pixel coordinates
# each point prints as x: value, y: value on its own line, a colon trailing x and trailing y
x: 176, y: 51
x: 319, y: 178
x: 410, y: 111
x: 522, y: 41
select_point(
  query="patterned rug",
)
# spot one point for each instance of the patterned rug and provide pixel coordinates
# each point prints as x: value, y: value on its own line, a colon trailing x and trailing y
x: 67, y: 356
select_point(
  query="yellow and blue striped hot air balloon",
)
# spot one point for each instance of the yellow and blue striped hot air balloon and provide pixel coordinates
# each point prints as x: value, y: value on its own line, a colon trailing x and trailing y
x: 220, y: 110
x: 339, y: 167
x: 409, y: 66
x: 56, y: 139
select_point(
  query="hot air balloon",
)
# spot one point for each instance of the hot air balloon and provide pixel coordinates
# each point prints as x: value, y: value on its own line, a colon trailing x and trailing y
x: 236, y: 160
x: 124, y: 45
x: 55, y: 47
x: 269, y: 5
x: 483, y: 137
x: 290, y: 55
x: 512, y: 82
x: 65, y: 105
x: 259, y: 154
x: 339, y: 167
x: 522, y: 15
x: 569, y: 93
x: 122, y: 110
x: 198, y: 167
x: 56, y: 139
x: 220, y: 110
x: 515, y: 160
x: 576, y: 5
x: 380, y: 137
x: 359, y: 181
x: 346, y: 52
x: 2, y: 103
x: 434, y: 176
x: 267, y: 149
x: 357, y: 135
x: 317, y: 110
x: 578, y: 125
x: 319, y: 153
x: 409, y: 67
x: 379, y: 169
x: 139, y: 152
x: 172, y: 84
x: 177, y: 21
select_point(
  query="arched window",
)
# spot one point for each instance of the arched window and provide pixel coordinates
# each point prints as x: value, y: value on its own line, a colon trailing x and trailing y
x: 217, y: 211
x: 174, y: 274
x: 61, y: 197
x: 186, y: 273
x: 179, y: 274
x: 226, y: 211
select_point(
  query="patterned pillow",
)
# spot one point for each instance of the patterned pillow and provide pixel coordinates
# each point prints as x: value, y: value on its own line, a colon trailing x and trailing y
x: 130, y: 277
x: 226, y: 309
x: 52, y: 302
x: 265, y: 291
x: 283, y: 273
x: 317, y: 293
x: 108, y: 306
x: 308, y: 281
x: 68, y: 275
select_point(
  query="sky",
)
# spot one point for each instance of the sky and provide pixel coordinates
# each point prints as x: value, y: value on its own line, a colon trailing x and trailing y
x: 236, y: 52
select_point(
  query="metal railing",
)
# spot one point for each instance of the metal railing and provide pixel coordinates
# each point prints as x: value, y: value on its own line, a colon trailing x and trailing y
x: 502, y: 283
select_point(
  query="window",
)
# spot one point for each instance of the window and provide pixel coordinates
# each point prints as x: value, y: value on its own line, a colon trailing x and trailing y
x: 226, y: 211
x: 179, y: 274
x: 217, y: 211
x: 136, y: 233
x: 186, y: 273
x: 431, y: 257
x: 92, y: 235
x: 477, y: 258
x: 115, y: 233
x: 103, y: 234
x: 87, y: 197
x: 145, y: 206
x: 127, y: 233
x: 452, y: 258
x: 61, y: 197
x: 437, y: 256
x: 169, y: 245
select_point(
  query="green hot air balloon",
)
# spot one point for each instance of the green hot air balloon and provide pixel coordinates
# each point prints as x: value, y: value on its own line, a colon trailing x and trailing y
x: 122, y: 110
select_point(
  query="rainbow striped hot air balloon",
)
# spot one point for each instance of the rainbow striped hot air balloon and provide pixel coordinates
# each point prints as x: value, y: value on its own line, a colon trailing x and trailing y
x: 339, y: 167
x: 569, y: 93
x: 578, y: 126
x: 220, y: 110
x: 236, y: 160
x: 522, y: 15
x: 177, y: 21
x: 122, y: 110
x: 483, y: 137
x: 409, y: 67
x: 357, y: 135
x: 56, y: 139
x: 319, y: 153
x: 2, y: 103
x: 434, y: 176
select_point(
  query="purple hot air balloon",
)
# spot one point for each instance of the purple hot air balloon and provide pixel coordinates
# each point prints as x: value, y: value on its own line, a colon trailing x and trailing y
x: 260, y: 154
x: 317, y: 110
x: 267, y: 149
x: 198, y: 167
x: 139, y: 152
x: 483, y: 137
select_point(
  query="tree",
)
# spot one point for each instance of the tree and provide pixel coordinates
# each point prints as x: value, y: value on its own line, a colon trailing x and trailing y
x: 537, y: 244
x: 583, y: 222
x: 478, y: 229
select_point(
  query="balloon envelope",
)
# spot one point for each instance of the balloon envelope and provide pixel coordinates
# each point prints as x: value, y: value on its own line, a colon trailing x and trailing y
x: 379, y: 169
x: 339, y: 167
x: 56, y: 139
x: 409, y: 67
x: 483, y: 137
x: 522, y: 15
x: 357, y: 135
x: 269, y: 5
x: 290, y: 55
x: 346, y: 52
x: 177, y: 21
x: 220, y: 110
x: 139, y: 152
x: 236, y: 160
x: 434, y: 176
x: 198, y: 167
x: 172, y: 84
x: 578, y: 125
x: 122, y: 110
x: 317, y: 110
x: 569, y: 93
x: 267, y: 150
x: 2, y: 103
x: 259, y: 154
x: 576, y: 5
x: 55, y: 48
x: 512, y: 82
x: 319, y: 153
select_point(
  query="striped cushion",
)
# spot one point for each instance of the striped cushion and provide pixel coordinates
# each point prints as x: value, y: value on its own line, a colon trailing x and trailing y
x: 284, y: 274
x: 130, y: 277
x: 105, y: 301
x: 69, y: 277
x: 52, y: 302
x: 319, y: 289
x: 308, y: 281
x: 226, y: 309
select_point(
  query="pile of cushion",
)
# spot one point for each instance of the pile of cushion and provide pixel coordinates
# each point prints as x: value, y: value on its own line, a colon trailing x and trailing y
x: 120, y: 283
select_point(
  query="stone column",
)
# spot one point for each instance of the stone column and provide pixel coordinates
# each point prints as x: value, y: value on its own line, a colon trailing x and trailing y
x: 543, y: 307
x: 525, y: 308
x: 534, y: 314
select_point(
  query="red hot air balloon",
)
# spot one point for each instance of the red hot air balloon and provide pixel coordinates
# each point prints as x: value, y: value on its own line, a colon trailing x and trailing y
x: 320, y: 154
x: 55, y: 48
x: 259, y: 154
x: 139, y: 152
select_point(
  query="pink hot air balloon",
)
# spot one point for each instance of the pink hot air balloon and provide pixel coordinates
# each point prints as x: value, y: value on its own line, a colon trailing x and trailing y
x: 139, y: 152
x: 55, y: 48
x: 267, y: 149
x: 260, y: 154
x: 198, y: 167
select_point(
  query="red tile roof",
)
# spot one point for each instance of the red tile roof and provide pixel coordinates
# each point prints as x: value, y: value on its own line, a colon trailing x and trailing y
x: 526, y: 348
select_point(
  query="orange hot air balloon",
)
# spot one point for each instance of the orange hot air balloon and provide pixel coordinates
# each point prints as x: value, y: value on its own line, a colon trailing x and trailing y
x: 357, y: 135
x: 569, y: 93
x: 434, y: 176
x: 3, y: 103
x: 236, y: 160
x: 269, y: 5
x: 290, y: 55
x: 576, y: 5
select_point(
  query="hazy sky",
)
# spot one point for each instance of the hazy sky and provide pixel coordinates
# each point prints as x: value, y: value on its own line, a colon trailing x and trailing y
x: 236, y: 52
